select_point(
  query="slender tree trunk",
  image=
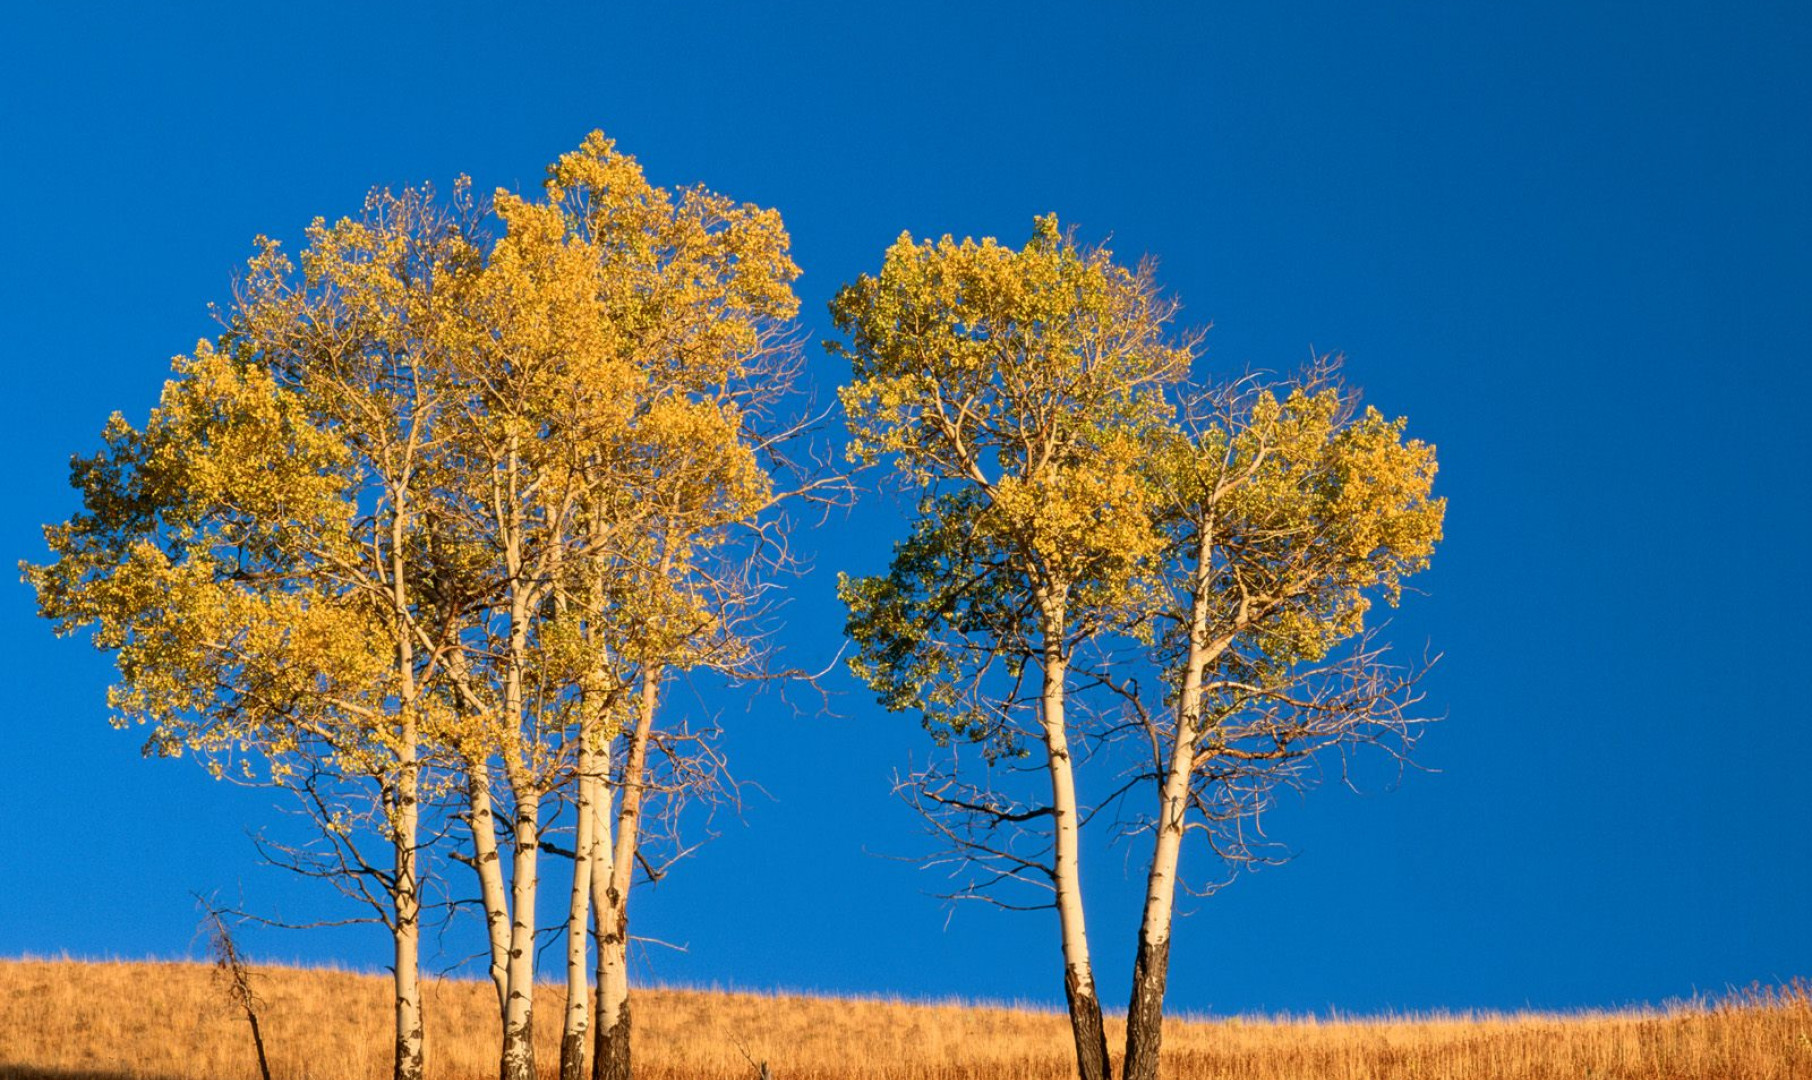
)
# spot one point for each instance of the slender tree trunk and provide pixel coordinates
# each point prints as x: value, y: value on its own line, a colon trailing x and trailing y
x: 1151, y: 965
x: 519, y: 1009
x: 610, y: 1044
x: 577, y: 1015
x: 1078, y: 976
x: 509, y: 925
x: 410, y: 1035
x: 610, y: 1059
x: 609, y: 962
x: 611, y: 959
x: 482, y: 821
x: 405, y: 886
x: 520, y: 764
x: 578, y: 1005
x: 264, y: 1062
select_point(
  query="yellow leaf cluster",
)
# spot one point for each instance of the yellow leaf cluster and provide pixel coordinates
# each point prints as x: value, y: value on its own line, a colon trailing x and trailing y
x: 462, y: 448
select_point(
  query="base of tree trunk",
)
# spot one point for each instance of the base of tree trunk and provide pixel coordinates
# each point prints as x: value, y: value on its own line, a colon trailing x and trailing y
x: 519, y: 1055
x: 1145, y: 1013
x: 610, y: 1058
x: 1086, y: 1025
x: 408, y: 1057
x: 572, y: 1056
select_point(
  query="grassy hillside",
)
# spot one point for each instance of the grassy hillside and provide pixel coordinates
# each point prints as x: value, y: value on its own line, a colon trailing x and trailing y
x: 162, y: 1021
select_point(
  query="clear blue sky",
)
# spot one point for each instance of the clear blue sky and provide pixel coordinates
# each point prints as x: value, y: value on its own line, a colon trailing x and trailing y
x: 1570, y: 241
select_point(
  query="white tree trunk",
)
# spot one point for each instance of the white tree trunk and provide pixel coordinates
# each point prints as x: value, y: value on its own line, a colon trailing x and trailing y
x: 1078, y: 975
x: 519, y: 1007
x: 406, y: 899
x: 1151, y: 965
x: 482, y: 821
x: 578, y: 1004
x: 521, y: 765
x: 405, y: 885
x: 610, y: 1060
x: 610, y: 959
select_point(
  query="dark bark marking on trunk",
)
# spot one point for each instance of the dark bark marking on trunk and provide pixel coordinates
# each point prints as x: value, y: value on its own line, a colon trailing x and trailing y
x: 1145, y: 1012
x: 572, y: 1056
x: 610, y: 1054
x: 408, y: 1056
x: 519, y: 1051
x: 1086, y: 1025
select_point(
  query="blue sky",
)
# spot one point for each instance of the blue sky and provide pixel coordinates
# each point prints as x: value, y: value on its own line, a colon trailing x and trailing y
x: 1571, y: 242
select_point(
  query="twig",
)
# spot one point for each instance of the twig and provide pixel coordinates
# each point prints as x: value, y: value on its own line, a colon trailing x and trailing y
x: 229, y: 968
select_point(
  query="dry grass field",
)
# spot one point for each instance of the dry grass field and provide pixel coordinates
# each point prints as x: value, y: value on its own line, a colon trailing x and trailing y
x: 164, y: 1021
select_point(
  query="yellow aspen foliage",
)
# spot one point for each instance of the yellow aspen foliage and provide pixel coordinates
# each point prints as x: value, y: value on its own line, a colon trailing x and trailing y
x: 198, y: 559
x: 1311, y: 511
x: 450, y: 482
x: 1019, y: 388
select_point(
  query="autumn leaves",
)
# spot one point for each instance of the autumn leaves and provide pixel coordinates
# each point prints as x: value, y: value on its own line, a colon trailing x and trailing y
x: 1112, y: 569
x: 432, y: 525
x: 428, y: 530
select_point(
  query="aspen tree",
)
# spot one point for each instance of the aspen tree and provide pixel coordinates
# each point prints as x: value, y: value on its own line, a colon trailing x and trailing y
x: 1019, y: 389
x: 253, y: 556
x: 696, y: 291
x: 433, y: 506
x: 626, y: 345
x: 1286, y: 514
x: 537, y: 341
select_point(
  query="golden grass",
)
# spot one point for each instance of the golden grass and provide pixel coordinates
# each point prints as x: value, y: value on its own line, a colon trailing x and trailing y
x: 166, y: 1021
